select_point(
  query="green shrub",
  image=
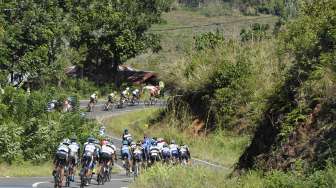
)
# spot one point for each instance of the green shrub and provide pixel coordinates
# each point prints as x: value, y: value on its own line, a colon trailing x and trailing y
x: 28, y: 132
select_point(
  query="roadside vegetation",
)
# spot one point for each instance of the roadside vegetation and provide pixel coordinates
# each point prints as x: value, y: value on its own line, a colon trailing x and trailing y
x: 280, y: 88
x: 195, y: 177
x: 29, y: 132
x: 220, y: 147
x: 26, y: 169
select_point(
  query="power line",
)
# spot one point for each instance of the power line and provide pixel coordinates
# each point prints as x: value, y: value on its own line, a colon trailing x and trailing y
x: 210, y: 24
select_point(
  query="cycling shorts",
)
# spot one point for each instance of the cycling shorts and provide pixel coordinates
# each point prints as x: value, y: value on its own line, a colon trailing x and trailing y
x: 105, y: 156
x: 125, y: 155
x: 62, y: 157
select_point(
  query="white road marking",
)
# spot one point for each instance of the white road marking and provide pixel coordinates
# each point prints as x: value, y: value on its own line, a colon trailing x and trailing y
x: 38, y: 183
x: 206, y: 162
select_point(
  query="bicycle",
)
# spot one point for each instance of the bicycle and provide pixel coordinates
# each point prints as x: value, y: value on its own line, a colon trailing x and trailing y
x: 127, y: 167
x: 91, y: 106
x: 59, y: 175
x: 108, y: 106
x: 103, y: 174
x: 85, y: 176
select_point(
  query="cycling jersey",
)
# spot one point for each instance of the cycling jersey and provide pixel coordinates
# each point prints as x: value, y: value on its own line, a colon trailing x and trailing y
x: 160, y: 145
x: 127, y: 137
x: 174, y: 150
x: 74, y: 148
x: 90, y: 147
x: 137, y: 153
x: 107, y: 149
x: 154, y: 150
x: 165, y: 150
x: 63, y: 148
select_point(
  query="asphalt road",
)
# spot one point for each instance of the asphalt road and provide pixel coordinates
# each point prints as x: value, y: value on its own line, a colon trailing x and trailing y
x: 118, y: 180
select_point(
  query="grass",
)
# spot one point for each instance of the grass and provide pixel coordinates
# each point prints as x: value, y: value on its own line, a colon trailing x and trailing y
x: 26, y: 169
x: 221, y: 147
x: 200, y: 177
x: 176, y: 43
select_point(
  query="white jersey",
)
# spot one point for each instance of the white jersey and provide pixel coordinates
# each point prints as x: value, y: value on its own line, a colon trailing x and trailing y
x: 173, y: 147
x: 107, y: 149
x: 93, y: 96
x: 90, y: 147
x: 184, y: 149
x: 165, y: 150
x: 128, y: 137
x: 135, y: 92
x: 125, y: 92
x: 112, y: 146
x: 154, y: 150
x: 63, y: 148
x: 74, y: 147
x: 137, y: 150
x: 160, y: 145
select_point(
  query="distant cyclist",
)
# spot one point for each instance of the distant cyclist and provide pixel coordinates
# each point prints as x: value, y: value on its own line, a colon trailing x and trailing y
x: 165, y: 153
x: 73, y: 155
x: 127, y: 136
x: 125, y: 94
x: 135, y: 95
x: 185, y: 153
x: 93, y: 98
x: 154, y: 153
x: 146, y: 146
x: 174, y: 150
x: 126, y: 155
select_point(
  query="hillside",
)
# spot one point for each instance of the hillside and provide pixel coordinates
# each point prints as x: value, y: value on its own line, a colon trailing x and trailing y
x: 179, y: 27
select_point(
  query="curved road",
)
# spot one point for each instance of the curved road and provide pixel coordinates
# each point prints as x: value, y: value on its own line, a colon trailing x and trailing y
x: 118, y: 180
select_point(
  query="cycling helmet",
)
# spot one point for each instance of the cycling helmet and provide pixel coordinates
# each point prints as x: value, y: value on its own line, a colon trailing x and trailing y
x: 91, y: 139
x: 73, y: 138
x: 165, y: 145
x: 127, y: 88
x: 173, y: 142
x: 154, y: 143
x: 126, y: 131
x: 66, y: 141
x: 133, y: 143
x: 125, y: 142
x: 139, y: 143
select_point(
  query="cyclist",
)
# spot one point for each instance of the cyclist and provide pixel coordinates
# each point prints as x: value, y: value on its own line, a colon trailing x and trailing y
x: 154, y: 152
x: 106, y: 153
x: 126, y: 154
x: 102, y: 130
x: 160, y: 143
x: 127, y: 136
x: 165, y: 153
x: 185, y: 154
x: 89, y: 153
x: 62, y: 155
x: 114, y: 158
x: 146, y: 144
x: 174, y: 150
x: 135, y: 95
x: 73, y: 157
x: 93, y: 98
x: 125, y: 94
x: 138, y: 155
x: 111, y: 97
x: 97, y: 154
